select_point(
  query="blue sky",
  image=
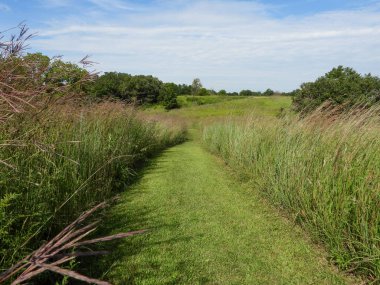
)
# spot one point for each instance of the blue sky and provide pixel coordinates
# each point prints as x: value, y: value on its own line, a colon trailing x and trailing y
x: 230, y: 45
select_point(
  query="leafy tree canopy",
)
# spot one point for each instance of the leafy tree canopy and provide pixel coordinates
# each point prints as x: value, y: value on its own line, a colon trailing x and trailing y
x: 342, y: 85
x: 268, y: 92
x: 168, y: 95
x: 110, y: 84
x: 196, y: 86
x: 142, y: 89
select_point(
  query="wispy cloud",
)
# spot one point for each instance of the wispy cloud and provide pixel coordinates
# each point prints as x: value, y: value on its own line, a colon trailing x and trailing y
x: 56, y: 3
x: 112, y: 4
x: 229, y: 44
x: 4, y: 7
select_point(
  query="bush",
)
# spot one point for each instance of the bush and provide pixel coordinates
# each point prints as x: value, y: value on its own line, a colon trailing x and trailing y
x: 202, y: 92
x: 168, y: 96
x: 340, y: 86
x: 268, y: 92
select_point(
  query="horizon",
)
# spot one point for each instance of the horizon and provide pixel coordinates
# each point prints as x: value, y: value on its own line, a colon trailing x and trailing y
x: 231, y: 45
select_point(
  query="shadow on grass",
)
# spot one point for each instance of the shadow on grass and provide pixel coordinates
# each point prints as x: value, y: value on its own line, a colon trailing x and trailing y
x: 121, y: 217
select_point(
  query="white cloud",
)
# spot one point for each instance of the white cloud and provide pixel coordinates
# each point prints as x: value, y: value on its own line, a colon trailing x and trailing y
x: 228, y: 44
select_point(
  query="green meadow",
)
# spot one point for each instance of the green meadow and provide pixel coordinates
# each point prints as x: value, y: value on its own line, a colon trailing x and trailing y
x: 225, y: 106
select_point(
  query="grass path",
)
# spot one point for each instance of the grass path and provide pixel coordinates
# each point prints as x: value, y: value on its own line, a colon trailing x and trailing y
x: 206, y: 227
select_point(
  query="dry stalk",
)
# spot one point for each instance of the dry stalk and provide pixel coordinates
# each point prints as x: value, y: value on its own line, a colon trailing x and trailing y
x: 61, y: 249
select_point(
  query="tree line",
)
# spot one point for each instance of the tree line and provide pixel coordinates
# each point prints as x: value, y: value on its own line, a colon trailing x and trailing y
x: 146, y: 89
x: 137, y: 89
x: 341, y: 86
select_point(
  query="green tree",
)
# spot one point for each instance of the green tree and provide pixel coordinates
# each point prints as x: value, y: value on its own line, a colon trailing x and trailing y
x: 61, y: 73
x: 196, y: 86
x: 168, y: 95
x: 246, y: 93
x: 268, y: 92
x: 342, y: 85
x: 203, y: 92
x: 143, y: 89
x: 222, y: 92
x: 41, y: 64
x: 111, y: 84
x: 184, y: 89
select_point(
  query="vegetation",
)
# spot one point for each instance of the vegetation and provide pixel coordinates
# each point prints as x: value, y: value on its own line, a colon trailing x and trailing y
x: 64, y: 147
x: 188, y: 101
x: 143, y: 89
x: 324, y: 169
x: 139, y: 89
x: 205, y: 227
x: 196, y: 86
x: 340, y: 86
x: 59, y: 154
x: 65, y: 162
x: 219, y: 107
x: 168, y: 96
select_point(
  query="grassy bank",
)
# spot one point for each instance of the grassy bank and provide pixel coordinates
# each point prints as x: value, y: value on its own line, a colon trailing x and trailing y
x: 325, y: 170
x: 62, y: 161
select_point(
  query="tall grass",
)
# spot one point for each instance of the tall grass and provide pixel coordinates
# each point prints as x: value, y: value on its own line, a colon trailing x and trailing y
x: 56, y: 164
x: 324, y: 169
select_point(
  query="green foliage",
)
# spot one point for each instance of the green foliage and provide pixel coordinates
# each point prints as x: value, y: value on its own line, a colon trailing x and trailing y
x: 325, y: 172
x: 222, y: 106
x: 7, y: 220
x: 342, y: 85
x: 168, y: 95
x: 187, y: 101
x: 207, y: 227
x: 251, y: 93
x: 196, y: 86
x: 184, y: 89
x: 246, y: 93
x: 61, y: 163
x: 142, y: 89
x: 61, y: 73
x: 203, y: 92
x: 42, y: 62
x: 268, y: 92
x: 111, y: 84
x: 222, y: 92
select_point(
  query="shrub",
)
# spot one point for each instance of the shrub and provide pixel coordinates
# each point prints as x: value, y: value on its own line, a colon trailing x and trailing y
x: 268, y: 92
x: 168, y: 96
x: 340, y: 86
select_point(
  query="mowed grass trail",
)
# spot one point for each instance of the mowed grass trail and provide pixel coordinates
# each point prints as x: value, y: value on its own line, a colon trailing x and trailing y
x: 206, y: 227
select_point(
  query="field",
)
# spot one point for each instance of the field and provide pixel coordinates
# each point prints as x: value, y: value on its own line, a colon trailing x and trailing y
x: 222, y: 107
x: 195, y: 207
x: 269, y: 217
x: 189, y: 100
x: 197, y: 142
